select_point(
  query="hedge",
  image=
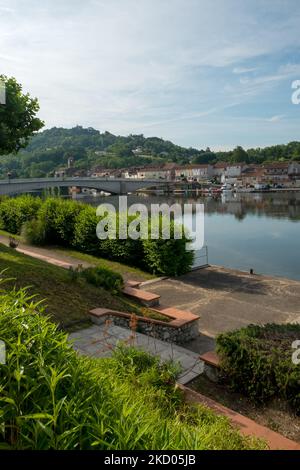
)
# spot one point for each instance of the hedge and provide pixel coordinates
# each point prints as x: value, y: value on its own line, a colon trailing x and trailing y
x: 258, y: 361
x: 14, y: 212
x: 71, y: 224
x: 58, y: 217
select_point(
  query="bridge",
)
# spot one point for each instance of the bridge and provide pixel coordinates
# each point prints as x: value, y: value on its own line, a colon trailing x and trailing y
x: 109, y: 185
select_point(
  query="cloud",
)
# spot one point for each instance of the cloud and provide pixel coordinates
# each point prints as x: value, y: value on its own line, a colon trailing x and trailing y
x: 276, y: 118
x: 240, y: 70
x: 129, y: 65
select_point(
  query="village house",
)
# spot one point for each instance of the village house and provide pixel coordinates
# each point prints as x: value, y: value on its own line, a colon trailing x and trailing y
x: 219, y: 169
x: 276, y: 172
x: 294, y: 170
x: 251, y: 176
x: 194, y: 172
x: 152, y: 173
x: 228, y: 172
x: 166, y: 172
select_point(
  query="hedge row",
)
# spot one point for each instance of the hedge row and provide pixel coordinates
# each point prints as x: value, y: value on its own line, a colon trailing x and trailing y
x: 258, y: 362
x: 71, y: 224
x: 14, y: 212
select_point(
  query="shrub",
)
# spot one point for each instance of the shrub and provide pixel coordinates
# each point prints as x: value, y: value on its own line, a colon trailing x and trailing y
x: 14, y: 212
x: 84, y: 236
x: 68, y: 223
x: 168, y: 257
x: 33, y: 232
x: 103, y: 277
x: 52, y: 398
x: 258, y: 361
x: 58, y: 217
x: 125, y: 251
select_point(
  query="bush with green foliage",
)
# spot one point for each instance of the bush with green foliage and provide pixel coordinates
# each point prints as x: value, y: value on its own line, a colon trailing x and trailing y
x: 14, y: 212
x: 69, y: 223
x: 58, y: 217
x: 103, y: 277
x: 258, y: 361
x: 126, y: 251
x: 33, y: 232
x: 52, y: 398
x: 168, y: 256
x: 84, y: 237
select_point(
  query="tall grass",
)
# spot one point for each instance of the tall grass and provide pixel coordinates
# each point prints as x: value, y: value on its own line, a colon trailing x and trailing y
x: 51, y: 398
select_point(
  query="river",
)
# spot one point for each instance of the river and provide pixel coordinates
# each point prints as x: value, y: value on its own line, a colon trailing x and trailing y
x: 243, y: 231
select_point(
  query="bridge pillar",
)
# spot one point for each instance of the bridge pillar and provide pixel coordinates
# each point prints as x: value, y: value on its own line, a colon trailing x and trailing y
x: 123, y: 187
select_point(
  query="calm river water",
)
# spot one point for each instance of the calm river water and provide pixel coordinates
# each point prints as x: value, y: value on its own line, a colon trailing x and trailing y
x: 243, y: 231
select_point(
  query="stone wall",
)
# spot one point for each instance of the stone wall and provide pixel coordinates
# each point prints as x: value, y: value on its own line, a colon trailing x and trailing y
x: 157, y: 329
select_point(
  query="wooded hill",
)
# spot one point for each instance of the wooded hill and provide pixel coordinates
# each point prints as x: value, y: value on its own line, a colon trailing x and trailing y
x: 49, y: 150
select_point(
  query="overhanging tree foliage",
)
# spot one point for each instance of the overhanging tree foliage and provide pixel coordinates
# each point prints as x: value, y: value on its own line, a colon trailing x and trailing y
x: 18, y: 121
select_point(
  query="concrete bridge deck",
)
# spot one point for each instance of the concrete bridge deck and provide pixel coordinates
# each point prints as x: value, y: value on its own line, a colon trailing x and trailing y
x: 110, y: 185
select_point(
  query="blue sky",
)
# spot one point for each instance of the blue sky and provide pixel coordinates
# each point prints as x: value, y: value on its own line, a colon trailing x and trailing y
x: 201, y: 73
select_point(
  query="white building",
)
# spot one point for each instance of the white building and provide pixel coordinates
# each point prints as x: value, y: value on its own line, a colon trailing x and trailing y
x: 194, y: 172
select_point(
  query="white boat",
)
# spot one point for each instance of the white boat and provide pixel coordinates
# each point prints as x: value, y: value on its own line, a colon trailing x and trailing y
x: 226, y: 187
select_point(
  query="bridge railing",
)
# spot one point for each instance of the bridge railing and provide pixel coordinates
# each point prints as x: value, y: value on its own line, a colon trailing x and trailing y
x: 75, y: 178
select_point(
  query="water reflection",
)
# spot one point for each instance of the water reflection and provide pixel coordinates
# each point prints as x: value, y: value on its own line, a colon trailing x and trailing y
x: 243, y: 231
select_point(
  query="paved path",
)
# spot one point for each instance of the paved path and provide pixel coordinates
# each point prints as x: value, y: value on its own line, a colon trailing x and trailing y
x: 226, y: 299
x: 99, y: 341
x: 47, y: 254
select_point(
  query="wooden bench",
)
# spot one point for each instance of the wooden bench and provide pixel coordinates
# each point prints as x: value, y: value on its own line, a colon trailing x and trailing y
x: 145, y: 298
x: 132, y: 283
x: 180, y: 317
x: 211, y: 358
x: 211, y: 365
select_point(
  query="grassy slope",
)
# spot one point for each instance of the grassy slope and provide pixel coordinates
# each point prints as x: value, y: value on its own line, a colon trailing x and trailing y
x: 67, y: 301
x: 128, y: 272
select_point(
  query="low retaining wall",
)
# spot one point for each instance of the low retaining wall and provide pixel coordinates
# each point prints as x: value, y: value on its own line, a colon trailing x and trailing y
x: 171, y: 332
x: 247, y: 426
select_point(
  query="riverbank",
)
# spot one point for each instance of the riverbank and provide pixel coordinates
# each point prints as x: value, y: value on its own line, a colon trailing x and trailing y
x: 224, y: 299
x: 227, y: 299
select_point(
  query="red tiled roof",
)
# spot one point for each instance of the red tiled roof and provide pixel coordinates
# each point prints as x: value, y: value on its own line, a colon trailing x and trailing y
x: 276, y: 165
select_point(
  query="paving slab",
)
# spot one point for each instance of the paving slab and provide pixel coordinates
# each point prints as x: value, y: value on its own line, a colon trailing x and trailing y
x: 100, y: 341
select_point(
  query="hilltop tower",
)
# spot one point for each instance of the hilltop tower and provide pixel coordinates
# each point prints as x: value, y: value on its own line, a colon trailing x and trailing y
x: 70, y: 162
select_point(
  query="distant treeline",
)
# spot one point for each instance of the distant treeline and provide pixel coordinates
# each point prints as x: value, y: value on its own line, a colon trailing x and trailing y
x: 49, y: 150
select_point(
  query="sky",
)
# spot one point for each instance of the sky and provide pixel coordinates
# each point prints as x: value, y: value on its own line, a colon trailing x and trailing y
x: 200, y: 73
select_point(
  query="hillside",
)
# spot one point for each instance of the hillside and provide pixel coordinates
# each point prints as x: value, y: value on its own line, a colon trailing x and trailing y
x: 49, y: 150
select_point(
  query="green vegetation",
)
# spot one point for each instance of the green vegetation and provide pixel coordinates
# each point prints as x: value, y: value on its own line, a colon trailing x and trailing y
x: 15, y: 212
x: 258, y: 361
x: 51, y: 398
x: 67, y: 300
x: 49, y: 150
x: 67, y: 223
x: 128, y: 272
x: 103, y: 277
x: 18, y: 121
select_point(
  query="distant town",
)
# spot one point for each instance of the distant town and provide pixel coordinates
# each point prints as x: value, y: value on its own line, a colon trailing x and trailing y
x: 278, y: 175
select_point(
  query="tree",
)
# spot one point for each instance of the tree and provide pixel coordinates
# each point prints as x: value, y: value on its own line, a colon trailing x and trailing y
x: 205, y: 157
x: 239, y: 155
x: 18, y: 121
